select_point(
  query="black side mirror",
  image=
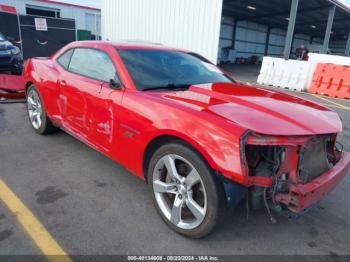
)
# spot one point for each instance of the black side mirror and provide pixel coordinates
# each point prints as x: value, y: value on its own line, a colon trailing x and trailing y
x: 114, y: 84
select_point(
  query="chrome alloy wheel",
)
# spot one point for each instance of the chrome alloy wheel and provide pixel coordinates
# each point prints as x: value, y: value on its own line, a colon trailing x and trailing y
x: 34, y: 108
x: 179, y: 191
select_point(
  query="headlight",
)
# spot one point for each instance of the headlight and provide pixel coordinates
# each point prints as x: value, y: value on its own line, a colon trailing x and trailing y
x: 15, y: 50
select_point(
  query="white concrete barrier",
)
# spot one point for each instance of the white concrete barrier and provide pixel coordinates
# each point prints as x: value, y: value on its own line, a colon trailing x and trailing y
x: 295, y: 75
x: 291, y: 74
x: 268, y: 69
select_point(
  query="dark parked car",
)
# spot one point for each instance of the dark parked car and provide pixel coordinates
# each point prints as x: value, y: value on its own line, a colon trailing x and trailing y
x: 10, y: 56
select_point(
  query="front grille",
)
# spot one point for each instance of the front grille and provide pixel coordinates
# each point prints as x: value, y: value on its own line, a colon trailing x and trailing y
x: 314, y: 159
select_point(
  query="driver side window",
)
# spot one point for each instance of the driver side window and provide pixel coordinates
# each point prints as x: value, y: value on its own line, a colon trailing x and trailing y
x: 92, y: 63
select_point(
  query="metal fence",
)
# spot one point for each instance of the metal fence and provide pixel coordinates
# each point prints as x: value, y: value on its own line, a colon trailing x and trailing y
x: 35, y: 41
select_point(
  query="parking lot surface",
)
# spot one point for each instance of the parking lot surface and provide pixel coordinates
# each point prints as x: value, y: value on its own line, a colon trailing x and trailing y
x: 91, y: 205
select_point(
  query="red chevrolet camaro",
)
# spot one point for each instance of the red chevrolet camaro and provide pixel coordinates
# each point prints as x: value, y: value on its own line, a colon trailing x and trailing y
x: 201, y: 140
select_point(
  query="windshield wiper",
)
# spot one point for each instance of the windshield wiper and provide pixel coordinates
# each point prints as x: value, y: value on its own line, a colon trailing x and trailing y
x: 168, y: 87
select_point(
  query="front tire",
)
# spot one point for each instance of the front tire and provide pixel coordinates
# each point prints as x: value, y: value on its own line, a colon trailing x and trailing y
x: 38, y: 118
x: 186, y: 193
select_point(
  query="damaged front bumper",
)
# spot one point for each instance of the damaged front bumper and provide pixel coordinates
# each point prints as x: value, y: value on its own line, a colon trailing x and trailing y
x: 304, y: 196
x: 292, y: 172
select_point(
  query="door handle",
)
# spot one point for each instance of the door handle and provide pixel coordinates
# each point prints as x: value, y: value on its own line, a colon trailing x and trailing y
x: 63, y: 83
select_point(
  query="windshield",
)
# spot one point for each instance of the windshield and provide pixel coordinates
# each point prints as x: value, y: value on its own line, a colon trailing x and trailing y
x: 2, y: 37
x: 163, y: 68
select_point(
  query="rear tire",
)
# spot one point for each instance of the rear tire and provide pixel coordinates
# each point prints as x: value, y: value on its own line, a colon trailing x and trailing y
x: 38, y: 118
x: 190, y: 188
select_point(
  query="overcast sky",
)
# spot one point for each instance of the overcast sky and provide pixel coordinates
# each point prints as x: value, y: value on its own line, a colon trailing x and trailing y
x: 346, y: 2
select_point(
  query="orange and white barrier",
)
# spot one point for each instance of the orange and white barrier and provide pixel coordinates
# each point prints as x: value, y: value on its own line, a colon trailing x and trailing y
x: 315, y: 59
x: 331, y: 80
x: 321, y: 74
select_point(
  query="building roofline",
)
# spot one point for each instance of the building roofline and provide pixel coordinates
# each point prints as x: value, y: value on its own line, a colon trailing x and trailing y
x: 341, y: 5
x: 68, y: 4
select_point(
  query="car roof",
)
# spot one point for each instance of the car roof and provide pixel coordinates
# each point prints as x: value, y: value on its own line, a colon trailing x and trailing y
x: 125, y: 45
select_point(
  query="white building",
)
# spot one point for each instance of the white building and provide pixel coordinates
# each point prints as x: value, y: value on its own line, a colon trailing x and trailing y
x: 189, y: 24
x: 87, y: 18
x: 248, y: 29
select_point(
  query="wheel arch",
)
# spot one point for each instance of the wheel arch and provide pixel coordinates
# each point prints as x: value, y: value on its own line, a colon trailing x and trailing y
x: 27, y: 85
x: 160, y: 140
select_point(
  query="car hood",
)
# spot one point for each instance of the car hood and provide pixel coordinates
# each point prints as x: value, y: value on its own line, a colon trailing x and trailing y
x: 258, y: 109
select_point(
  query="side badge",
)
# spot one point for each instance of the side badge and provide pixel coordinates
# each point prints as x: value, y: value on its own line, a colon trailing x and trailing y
x: 128, y: 134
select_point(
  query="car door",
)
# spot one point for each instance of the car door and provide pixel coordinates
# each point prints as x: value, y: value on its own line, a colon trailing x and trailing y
x: 103, y: 107
x: 85, y: 94
x: 75, y: 86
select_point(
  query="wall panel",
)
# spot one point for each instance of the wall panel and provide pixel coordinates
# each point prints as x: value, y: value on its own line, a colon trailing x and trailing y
x: 193, y: 25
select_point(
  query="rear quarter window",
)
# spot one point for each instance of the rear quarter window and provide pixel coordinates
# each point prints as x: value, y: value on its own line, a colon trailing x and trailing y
x: 65, y: 58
